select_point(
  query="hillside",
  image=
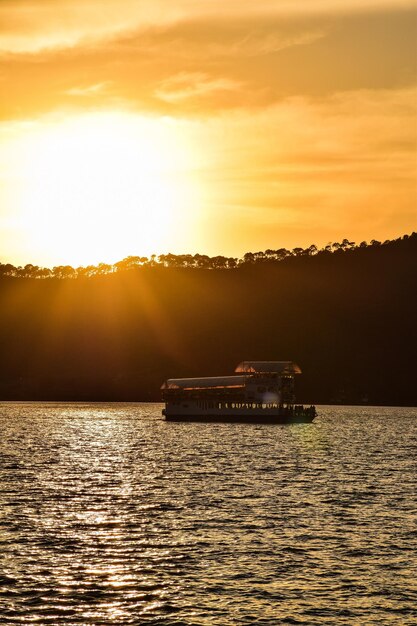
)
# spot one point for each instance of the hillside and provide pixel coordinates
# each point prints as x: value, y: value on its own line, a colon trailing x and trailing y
x: 346, y: 316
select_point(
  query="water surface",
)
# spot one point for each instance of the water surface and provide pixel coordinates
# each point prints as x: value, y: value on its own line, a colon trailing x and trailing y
x: 109, y: 515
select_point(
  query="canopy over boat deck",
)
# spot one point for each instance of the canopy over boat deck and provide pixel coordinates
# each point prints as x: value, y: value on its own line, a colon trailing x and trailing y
x: 210, y: 382
x: 268, y: 367
x: 245, y: 373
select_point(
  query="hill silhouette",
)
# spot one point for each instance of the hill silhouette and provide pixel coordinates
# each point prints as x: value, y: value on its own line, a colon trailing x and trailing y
x: 345, y: 313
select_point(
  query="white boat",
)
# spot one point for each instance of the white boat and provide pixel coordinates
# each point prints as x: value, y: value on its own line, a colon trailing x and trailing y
x: 259, y: 391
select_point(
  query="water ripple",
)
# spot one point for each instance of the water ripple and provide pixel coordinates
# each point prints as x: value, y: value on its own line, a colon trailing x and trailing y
x: 110, y: 516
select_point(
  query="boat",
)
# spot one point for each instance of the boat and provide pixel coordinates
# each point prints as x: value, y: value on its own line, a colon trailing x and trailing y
x: 258, y: 391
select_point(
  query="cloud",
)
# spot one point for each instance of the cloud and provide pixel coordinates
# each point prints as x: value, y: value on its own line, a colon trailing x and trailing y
x: 258, y: 44
x: 187, y: 85
x: 88, y: 90
x: 202, y: 68
x: 30, y: 26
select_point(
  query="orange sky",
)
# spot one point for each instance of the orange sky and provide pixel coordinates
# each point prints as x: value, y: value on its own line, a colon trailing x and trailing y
x: 203, y: 126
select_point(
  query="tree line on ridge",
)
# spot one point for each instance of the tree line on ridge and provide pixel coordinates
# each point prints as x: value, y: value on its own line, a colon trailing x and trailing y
x: 200, y: 261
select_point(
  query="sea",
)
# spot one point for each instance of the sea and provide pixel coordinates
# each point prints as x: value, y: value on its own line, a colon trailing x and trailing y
x: 110, y: 515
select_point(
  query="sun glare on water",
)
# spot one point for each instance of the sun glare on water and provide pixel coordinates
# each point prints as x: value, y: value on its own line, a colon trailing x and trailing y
x: 102, y: 186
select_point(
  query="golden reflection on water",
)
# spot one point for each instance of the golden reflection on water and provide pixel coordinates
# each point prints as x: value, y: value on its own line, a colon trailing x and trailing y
x: 109, y: 515
x: 310, y: 438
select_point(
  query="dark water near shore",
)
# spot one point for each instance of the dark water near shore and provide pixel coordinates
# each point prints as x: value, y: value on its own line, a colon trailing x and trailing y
x: 109, y: 515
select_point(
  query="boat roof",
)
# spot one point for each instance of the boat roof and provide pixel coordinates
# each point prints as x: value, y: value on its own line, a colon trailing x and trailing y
x: 246, y: 369
x: 209, y: 382
x: 268, y: 367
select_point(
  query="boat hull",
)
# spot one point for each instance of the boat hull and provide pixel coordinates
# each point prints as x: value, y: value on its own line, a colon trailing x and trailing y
x: 245, y: 419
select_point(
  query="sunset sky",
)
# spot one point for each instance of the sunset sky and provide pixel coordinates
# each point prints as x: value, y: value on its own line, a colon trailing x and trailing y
x: 219, y: 127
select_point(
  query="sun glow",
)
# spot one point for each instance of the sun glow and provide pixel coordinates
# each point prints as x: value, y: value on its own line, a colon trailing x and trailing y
x: 99, y: 187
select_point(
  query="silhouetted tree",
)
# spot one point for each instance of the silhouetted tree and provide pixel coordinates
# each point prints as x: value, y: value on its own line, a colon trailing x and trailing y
x: 249, y: 257
x: 44, y: 272
x: 64, y: 271
x: 7, y: 270
x: 297, y: 251
x: 104, y: 268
